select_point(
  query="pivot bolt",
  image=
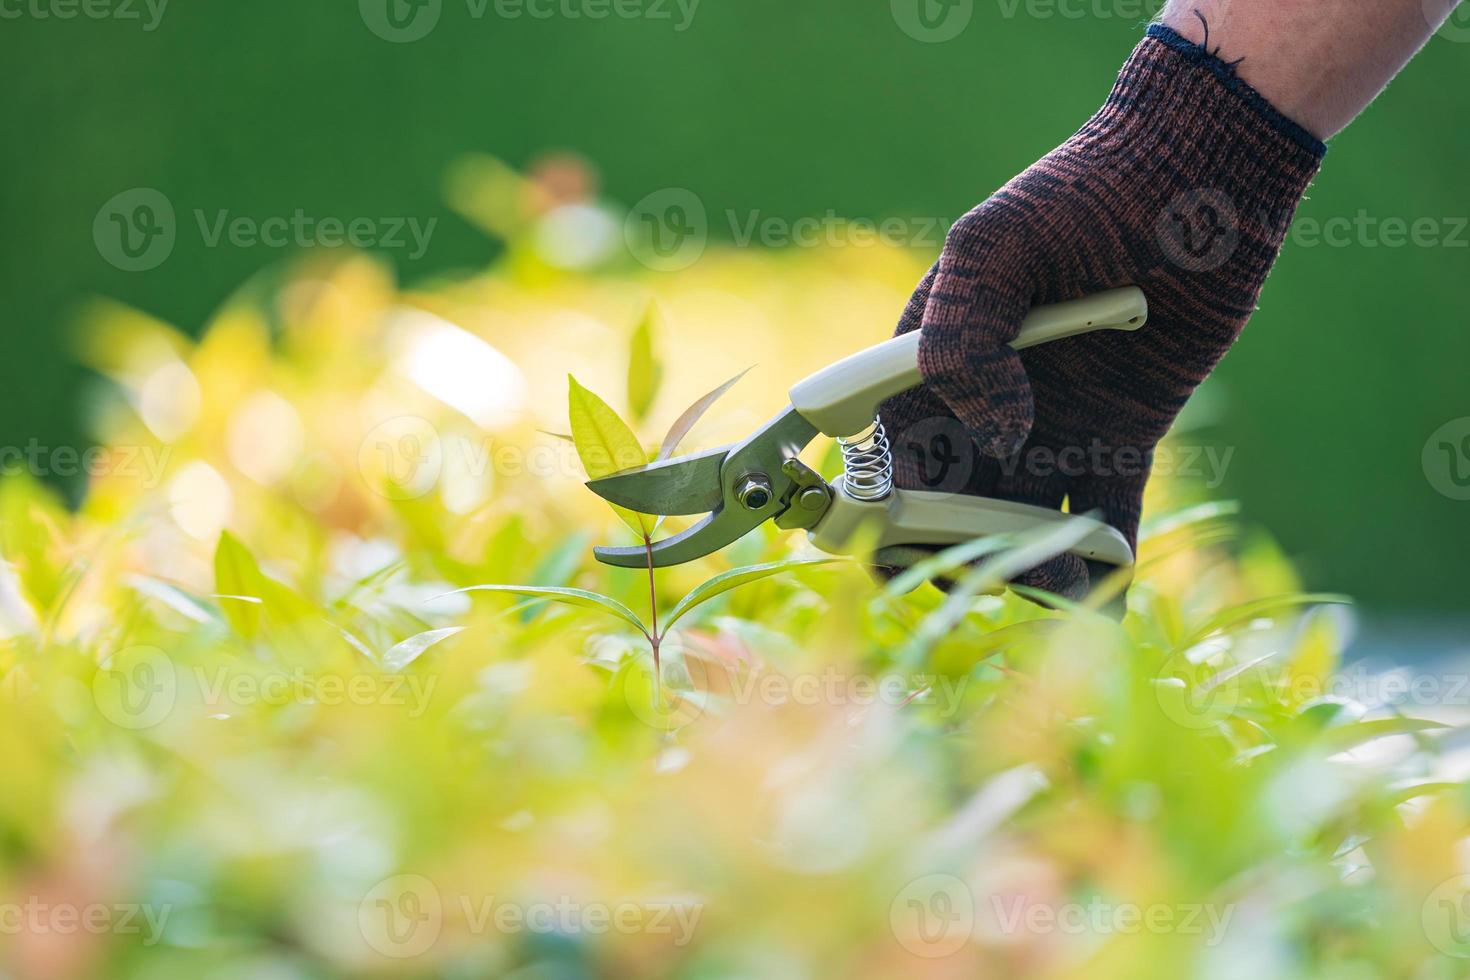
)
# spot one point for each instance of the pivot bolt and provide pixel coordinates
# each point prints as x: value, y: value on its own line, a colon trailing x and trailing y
x: 812, y: 498
x: 754, y: 491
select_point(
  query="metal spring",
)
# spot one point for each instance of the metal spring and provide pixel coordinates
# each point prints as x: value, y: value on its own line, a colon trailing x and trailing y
x: 867, y: 463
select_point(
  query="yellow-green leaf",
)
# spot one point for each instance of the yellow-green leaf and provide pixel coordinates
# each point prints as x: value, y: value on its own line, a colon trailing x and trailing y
x: 605, y: 445
x: 645, y: 371
x: 693, y: 414
x: 734, y: 579
x: 571, y: 597
x: 250, y: 599
x: 238, y: 585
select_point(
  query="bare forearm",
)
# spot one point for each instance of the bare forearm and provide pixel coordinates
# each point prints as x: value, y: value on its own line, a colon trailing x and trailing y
x: 1318, y: 61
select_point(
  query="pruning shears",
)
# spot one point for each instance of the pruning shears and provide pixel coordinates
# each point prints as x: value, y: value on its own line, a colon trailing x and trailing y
x: 743, y: 485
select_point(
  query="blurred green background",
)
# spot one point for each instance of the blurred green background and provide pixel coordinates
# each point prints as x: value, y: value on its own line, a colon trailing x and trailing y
x: 776, y: 108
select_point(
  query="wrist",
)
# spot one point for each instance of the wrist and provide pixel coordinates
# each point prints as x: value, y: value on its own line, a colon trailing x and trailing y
x: 1258, y: 56
x: 1177, y: 110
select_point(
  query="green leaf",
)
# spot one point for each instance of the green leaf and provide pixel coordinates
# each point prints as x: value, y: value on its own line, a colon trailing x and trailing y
x: 1257, y: 608
x: 181, y: 602
x: 645, y: 372
x: 1315, y: 658
x: 251, y: 600
x: 1023, y: 553
x: 237, y: 575
x: 941, y: 564
x: 1188, y: 517
x: 693, y: 414
x: 1403, y: 794
x: 570, y: 597
x: 558, y: 567
x: 605, y: 445
x: 405, y: 652
x: 734, y: 579
x: 353, y: 641
x: 32, y: 523
x: 561, y: 562
x: 1051, y: 600
x: 1344, y: 737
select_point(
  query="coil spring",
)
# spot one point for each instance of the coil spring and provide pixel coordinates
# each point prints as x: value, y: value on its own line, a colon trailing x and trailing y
x: 867, y: 463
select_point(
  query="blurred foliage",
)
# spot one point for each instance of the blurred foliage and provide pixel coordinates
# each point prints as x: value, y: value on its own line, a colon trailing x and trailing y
x: 241, y: 691
x: 765, y: 108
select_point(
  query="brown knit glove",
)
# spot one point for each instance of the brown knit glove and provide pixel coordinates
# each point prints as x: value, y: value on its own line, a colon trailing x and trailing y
x: 1183, y: 184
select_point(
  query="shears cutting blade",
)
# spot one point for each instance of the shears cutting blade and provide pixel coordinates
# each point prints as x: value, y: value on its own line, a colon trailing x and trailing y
x: 763, y: 478
x: 741, y: 486
x: 668, y: 487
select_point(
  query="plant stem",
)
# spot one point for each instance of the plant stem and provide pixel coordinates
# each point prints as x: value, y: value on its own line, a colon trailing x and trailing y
x: 653, y: 635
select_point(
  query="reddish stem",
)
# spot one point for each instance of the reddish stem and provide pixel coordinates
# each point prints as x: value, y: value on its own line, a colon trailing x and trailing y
x: 653, y: 637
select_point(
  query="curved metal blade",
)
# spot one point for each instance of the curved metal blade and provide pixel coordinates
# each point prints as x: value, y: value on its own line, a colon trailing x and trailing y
x: 709, y: 481
x: 705, y: 538
x: 683, y: 485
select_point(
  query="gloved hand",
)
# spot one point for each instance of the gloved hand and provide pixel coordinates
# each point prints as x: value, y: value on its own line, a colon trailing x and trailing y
x: 1183, y: 184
